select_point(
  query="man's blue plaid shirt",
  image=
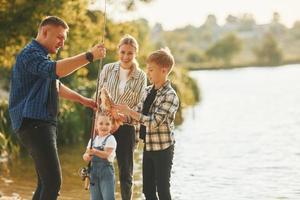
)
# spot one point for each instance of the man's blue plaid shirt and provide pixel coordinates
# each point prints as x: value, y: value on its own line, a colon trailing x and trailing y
x: 31, y: 80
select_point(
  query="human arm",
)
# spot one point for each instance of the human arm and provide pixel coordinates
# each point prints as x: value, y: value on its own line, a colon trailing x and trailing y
x: 72, y: 95
x: 125, y: 110
x: 86, y: 156
x: 39, y: 64
x: 67, y: 66
x: 166, y: 107
x: 101, y: 154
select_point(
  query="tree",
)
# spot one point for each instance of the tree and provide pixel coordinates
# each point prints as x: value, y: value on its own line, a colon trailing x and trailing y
x: 247, y: 22
x: 194, y: 56
x: 295, y: 30
x: 225, y: 48
x: 268, y: 52
x: 19, y: 20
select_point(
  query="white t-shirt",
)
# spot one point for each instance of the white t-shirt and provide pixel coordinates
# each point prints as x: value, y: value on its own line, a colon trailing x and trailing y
x: 123, y: 79
x: 110, y: 143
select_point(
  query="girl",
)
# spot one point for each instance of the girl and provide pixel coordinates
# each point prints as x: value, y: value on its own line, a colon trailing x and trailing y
x: 102, y: 154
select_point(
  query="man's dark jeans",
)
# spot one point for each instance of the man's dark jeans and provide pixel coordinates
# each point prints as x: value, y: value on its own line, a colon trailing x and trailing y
x: 125, y: 137
x: 39, y: 138
x: 157, y: 167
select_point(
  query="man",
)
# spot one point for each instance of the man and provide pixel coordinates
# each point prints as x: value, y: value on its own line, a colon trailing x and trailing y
x: 33, y: 102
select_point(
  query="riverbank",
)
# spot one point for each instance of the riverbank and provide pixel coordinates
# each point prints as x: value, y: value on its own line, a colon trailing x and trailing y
x: 217, y: 66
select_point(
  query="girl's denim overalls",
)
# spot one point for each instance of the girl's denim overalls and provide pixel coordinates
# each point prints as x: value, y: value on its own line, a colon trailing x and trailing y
x: 102, y: 184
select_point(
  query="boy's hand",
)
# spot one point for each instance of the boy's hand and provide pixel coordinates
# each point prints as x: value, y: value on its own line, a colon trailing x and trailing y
x: 122, y: 108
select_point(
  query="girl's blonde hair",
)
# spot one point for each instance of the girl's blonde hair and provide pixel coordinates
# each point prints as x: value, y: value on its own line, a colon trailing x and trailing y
x: 130, y: 40
x: 102, y: 113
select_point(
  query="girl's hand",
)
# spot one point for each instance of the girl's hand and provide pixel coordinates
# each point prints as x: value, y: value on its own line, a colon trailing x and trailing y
x: 94, y: 151
x: 90, y: 152
x: 86, y: 157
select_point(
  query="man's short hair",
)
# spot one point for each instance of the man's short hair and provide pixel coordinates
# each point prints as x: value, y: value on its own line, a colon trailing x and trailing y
x: 162, y: 57
x: 53, y: 20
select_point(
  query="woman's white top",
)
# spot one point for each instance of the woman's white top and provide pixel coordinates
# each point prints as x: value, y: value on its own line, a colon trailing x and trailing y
x: 123, y: 79
x: 135, y: 85
x: 110, y: 143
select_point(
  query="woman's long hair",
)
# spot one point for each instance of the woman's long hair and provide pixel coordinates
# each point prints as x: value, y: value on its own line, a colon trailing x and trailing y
x: 130, y: 40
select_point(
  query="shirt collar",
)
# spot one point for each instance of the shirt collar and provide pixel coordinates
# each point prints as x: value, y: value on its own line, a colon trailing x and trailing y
x: 134, y: 73
x: 166, y: 85
x: 39, y: 46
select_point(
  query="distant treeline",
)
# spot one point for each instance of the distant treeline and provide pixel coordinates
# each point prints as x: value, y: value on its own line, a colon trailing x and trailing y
x: 239, y: 42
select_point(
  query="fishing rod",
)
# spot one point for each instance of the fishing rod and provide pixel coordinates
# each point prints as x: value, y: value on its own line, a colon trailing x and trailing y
x: 85, y: 171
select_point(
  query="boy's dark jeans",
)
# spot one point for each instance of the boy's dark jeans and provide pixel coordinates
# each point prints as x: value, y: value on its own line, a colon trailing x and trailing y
x: 39, y: 138
x: 156, y: 173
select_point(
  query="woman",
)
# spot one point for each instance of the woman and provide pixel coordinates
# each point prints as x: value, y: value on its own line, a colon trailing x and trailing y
x: 125, y: 82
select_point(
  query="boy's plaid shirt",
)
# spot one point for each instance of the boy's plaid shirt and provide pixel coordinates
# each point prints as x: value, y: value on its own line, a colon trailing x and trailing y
x: 160, y: 120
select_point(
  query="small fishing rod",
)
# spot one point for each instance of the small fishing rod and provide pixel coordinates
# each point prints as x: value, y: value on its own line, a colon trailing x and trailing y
x: 86, y: 171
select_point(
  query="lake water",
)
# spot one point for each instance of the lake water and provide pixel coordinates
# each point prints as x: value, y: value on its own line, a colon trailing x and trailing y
x: 242, y: 142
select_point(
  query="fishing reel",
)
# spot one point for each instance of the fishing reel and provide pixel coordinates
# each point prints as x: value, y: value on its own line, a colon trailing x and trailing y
x: 84, y: 173
x: 85, y: 176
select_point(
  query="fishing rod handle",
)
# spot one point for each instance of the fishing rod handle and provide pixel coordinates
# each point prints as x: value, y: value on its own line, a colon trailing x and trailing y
x: 87, y: 183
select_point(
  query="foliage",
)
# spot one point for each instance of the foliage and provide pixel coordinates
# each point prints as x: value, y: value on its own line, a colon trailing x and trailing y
x: 194, y: 56
x: 225, y: 48
x: 73, y: 123
x: 186, y: 89
x: 21, y: 18
x: 295, y: 31
x: 268, y: 52
x: 7, y: 137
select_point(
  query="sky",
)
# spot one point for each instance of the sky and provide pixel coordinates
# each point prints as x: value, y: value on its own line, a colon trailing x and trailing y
x: 179, y: 13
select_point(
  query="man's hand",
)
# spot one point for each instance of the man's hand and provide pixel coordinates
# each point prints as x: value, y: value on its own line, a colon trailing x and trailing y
x: 98, y: 51
x: 89, y: 103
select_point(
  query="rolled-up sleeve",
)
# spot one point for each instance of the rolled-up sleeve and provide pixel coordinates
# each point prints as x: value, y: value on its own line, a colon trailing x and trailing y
x: 40, y: 65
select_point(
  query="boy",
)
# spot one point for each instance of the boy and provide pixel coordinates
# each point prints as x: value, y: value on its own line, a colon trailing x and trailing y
x: 156, y: 114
